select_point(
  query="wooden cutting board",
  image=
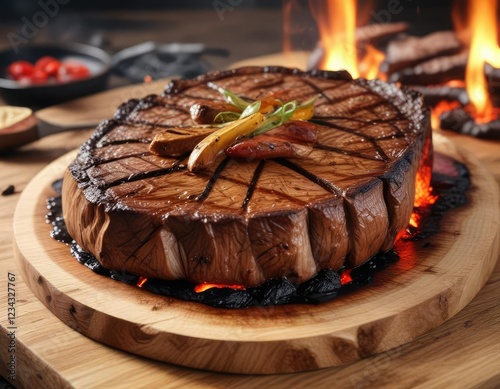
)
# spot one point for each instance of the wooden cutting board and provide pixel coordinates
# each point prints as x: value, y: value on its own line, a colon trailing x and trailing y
x: 430, y: 284
x: 462, y: 352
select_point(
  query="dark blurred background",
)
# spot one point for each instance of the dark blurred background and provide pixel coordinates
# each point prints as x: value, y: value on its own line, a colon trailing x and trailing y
x: 245, y: 28
x: 254, y: 25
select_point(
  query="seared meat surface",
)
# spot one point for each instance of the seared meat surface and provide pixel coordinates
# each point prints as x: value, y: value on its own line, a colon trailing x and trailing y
x: 248, y: 220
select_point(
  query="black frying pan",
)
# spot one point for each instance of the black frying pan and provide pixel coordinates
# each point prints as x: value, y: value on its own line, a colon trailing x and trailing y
x: 134, y: 63
x: 37, y: 96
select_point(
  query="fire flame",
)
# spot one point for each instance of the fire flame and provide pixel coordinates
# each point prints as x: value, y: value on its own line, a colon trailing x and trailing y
x: 206, y: 286
x: 424, y: 195
x: 482, y: 25
x: 369, y: 66
x: 337, y: 29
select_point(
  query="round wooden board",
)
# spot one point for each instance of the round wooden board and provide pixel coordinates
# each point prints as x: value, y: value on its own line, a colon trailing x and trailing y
x: 433, y: 281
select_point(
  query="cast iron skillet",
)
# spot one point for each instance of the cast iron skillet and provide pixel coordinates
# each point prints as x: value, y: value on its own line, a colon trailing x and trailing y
x: 37, y: 96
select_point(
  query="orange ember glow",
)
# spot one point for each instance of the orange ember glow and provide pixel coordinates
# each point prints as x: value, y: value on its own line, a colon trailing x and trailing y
x: 482, y: 24
x: 148, y: 78
x: 345, y: 277
x: 205, y: 286
x: 442, y: 107
x: 141, y: 281
x: 424, y: 195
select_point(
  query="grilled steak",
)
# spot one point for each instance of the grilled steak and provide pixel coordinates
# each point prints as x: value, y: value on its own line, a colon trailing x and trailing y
x: 246, y: 221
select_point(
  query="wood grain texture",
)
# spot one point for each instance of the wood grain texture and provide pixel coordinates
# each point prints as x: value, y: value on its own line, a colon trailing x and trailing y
x: 399, y: 307
x: 463, y: 352
x: 90, y: 110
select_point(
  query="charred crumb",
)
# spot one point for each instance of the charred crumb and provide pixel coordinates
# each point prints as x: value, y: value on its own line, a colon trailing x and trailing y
x: 124, y: 276
x: 274, y: 292
x: 88, y: 260
x: 9, y: 190
x: 325, y: 286
x: 55, y: 218
x: 226, y: 298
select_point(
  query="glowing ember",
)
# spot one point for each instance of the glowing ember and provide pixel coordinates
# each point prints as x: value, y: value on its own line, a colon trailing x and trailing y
x: 439, y: 109
x: 424, y: 195
x: 205, y: 286
x: 337, y: 29
x: 141, y: 281
x: 483, y: 49
x: 345, y: 277
x: 423, y: 191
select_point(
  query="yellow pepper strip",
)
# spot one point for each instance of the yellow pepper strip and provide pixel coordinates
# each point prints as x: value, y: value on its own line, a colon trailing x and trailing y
x: 269, y: 104
x: 206, y: 151
x: 303, y: 113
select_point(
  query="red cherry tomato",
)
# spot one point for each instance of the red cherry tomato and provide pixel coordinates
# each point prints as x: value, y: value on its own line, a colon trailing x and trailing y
x: 20, y: 69
x: 49, y: 65
x: 39, y: 77
x: 47, y: 69
x: 73, y: 70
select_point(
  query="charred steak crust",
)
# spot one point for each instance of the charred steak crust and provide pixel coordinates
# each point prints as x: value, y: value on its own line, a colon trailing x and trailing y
x: 244, y: 222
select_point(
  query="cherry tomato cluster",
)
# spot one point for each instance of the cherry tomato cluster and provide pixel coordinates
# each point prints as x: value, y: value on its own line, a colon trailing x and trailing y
x: 47, y: 70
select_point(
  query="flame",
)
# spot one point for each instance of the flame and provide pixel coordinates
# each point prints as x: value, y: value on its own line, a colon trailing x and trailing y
x: 481, y: 23
x: 424, y: 196
x: 444, y: 105
x: 337, y: 29
x: 423, y: 190
x: 369, y: 66
x: 206, y: 286
x: 336, y: 21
